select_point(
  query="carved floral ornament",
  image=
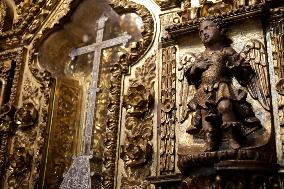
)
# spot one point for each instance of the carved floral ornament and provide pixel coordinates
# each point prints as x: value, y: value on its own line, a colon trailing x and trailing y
x: 23, y: 18
x: 137, y: 148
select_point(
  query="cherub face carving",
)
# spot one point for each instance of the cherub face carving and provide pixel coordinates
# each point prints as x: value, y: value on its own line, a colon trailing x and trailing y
x: 209, y: 32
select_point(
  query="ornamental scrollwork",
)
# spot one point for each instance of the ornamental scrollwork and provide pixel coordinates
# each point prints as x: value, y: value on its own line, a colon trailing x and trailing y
x: 206, y: 8
x: 136, y: 152
x: 168, y: 4
x: 127, y: 57
x: 136, y: 50
x: 20, y: 161
x: 277, y: 42
x: 167, y: 137
x: 2, y: 14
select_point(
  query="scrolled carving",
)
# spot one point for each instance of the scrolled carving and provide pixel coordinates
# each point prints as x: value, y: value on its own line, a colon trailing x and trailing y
x: 206, y: 8
x: 11, y: 64
x: 136, y: 50
x: 28, y: 20
x: 137, y: 149
x: 277, y: 42
x: 26, y: 116
x: 136, y: 152
x: 28, y: 140
x: 2, y: 14
x: 168, y: 4
x: 7, y: 128
x: 127, y: 57
x: 168, y: 111
x: 190, y: 23
x: 20, y: 161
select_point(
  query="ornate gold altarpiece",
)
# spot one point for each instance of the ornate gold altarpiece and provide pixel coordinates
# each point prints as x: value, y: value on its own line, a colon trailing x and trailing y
x: 139, y: 139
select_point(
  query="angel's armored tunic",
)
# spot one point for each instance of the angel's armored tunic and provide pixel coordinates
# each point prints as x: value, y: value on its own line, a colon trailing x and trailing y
x: 215, y: 83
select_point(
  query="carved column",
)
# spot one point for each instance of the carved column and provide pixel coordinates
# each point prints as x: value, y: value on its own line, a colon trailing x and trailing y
x: 277, y: 43
x: 167, y: 135
x: 167, y: 177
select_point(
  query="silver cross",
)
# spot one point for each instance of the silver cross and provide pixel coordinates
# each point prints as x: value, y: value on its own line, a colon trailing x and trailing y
x: 78, y: 175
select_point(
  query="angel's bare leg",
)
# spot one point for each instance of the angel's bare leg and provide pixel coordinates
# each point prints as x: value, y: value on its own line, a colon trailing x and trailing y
x: 230, y: 125
x: 210, y: 132
x: 225, y: 108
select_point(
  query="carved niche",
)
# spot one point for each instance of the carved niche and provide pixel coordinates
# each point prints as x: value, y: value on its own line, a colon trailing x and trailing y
x: 29, y: 24
x: 64, y: 131
x: 128, y: 56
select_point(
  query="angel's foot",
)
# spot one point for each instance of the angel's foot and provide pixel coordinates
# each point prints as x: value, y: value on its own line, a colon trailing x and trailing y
x: 209, y: 147
x: 192, y: 130
x: 230, y: 133
x: 212, y: 117
x: 210, y: 142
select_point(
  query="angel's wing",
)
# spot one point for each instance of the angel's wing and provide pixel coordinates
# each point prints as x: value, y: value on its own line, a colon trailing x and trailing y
x: 258, y: 87
x: 186, y: 90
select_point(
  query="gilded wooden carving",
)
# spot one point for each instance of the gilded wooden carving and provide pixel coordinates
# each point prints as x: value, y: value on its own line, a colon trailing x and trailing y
x: 2, y: 14
x: 27, y: 17
x: 127, y: 57
x: 167, y: 135
x: 21, y: 160
x: 168, y: 4
x: 137, y: 149
x: 205, y: 8
x: 26, y: 90
x: 248, y: 152
x: 277, y: 42
x: 64, y: 130
x: 27, y: 142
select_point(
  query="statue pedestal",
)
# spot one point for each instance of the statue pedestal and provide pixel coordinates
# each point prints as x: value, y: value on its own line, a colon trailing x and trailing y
x: 167, y: 181
x: 228, y: 169
x: 234, y: 169
x: 233, y: 174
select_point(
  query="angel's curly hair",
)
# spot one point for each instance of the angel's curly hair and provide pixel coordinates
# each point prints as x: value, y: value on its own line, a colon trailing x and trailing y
x: 218, y: 20
x: 221, y: 25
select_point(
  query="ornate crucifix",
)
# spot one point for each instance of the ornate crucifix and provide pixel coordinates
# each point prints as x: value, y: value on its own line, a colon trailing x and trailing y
x: 78, y: 175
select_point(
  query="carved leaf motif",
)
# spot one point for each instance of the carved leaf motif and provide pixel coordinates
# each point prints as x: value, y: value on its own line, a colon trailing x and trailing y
x: 147, y: 73
x: 168, y: 111
x: 136, y: 151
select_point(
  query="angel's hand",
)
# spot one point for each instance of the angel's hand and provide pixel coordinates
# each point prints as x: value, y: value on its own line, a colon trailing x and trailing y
x: 235, y: 61
x: 203, y: 65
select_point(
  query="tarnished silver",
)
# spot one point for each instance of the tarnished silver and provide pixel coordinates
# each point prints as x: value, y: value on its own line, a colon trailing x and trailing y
x: 78, y: 175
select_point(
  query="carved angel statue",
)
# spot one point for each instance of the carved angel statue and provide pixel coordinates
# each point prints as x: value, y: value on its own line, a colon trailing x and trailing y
x: 220, y: 109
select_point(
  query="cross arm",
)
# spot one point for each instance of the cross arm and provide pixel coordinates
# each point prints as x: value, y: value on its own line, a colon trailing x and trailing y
x: 99, y: 46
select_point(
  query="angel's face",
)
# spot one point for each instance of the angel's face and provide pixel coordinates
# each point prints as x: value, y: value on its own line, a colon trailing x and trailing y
x: 209, y: 32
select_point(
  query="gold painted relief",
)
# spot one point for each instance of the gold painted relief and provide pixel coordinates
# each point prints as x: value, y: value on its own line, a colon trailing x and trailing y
x: 167, y: 135
x: 137, y: 149
x: 168, y: 4
x: 64, y: 131
x: 277, y: 42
